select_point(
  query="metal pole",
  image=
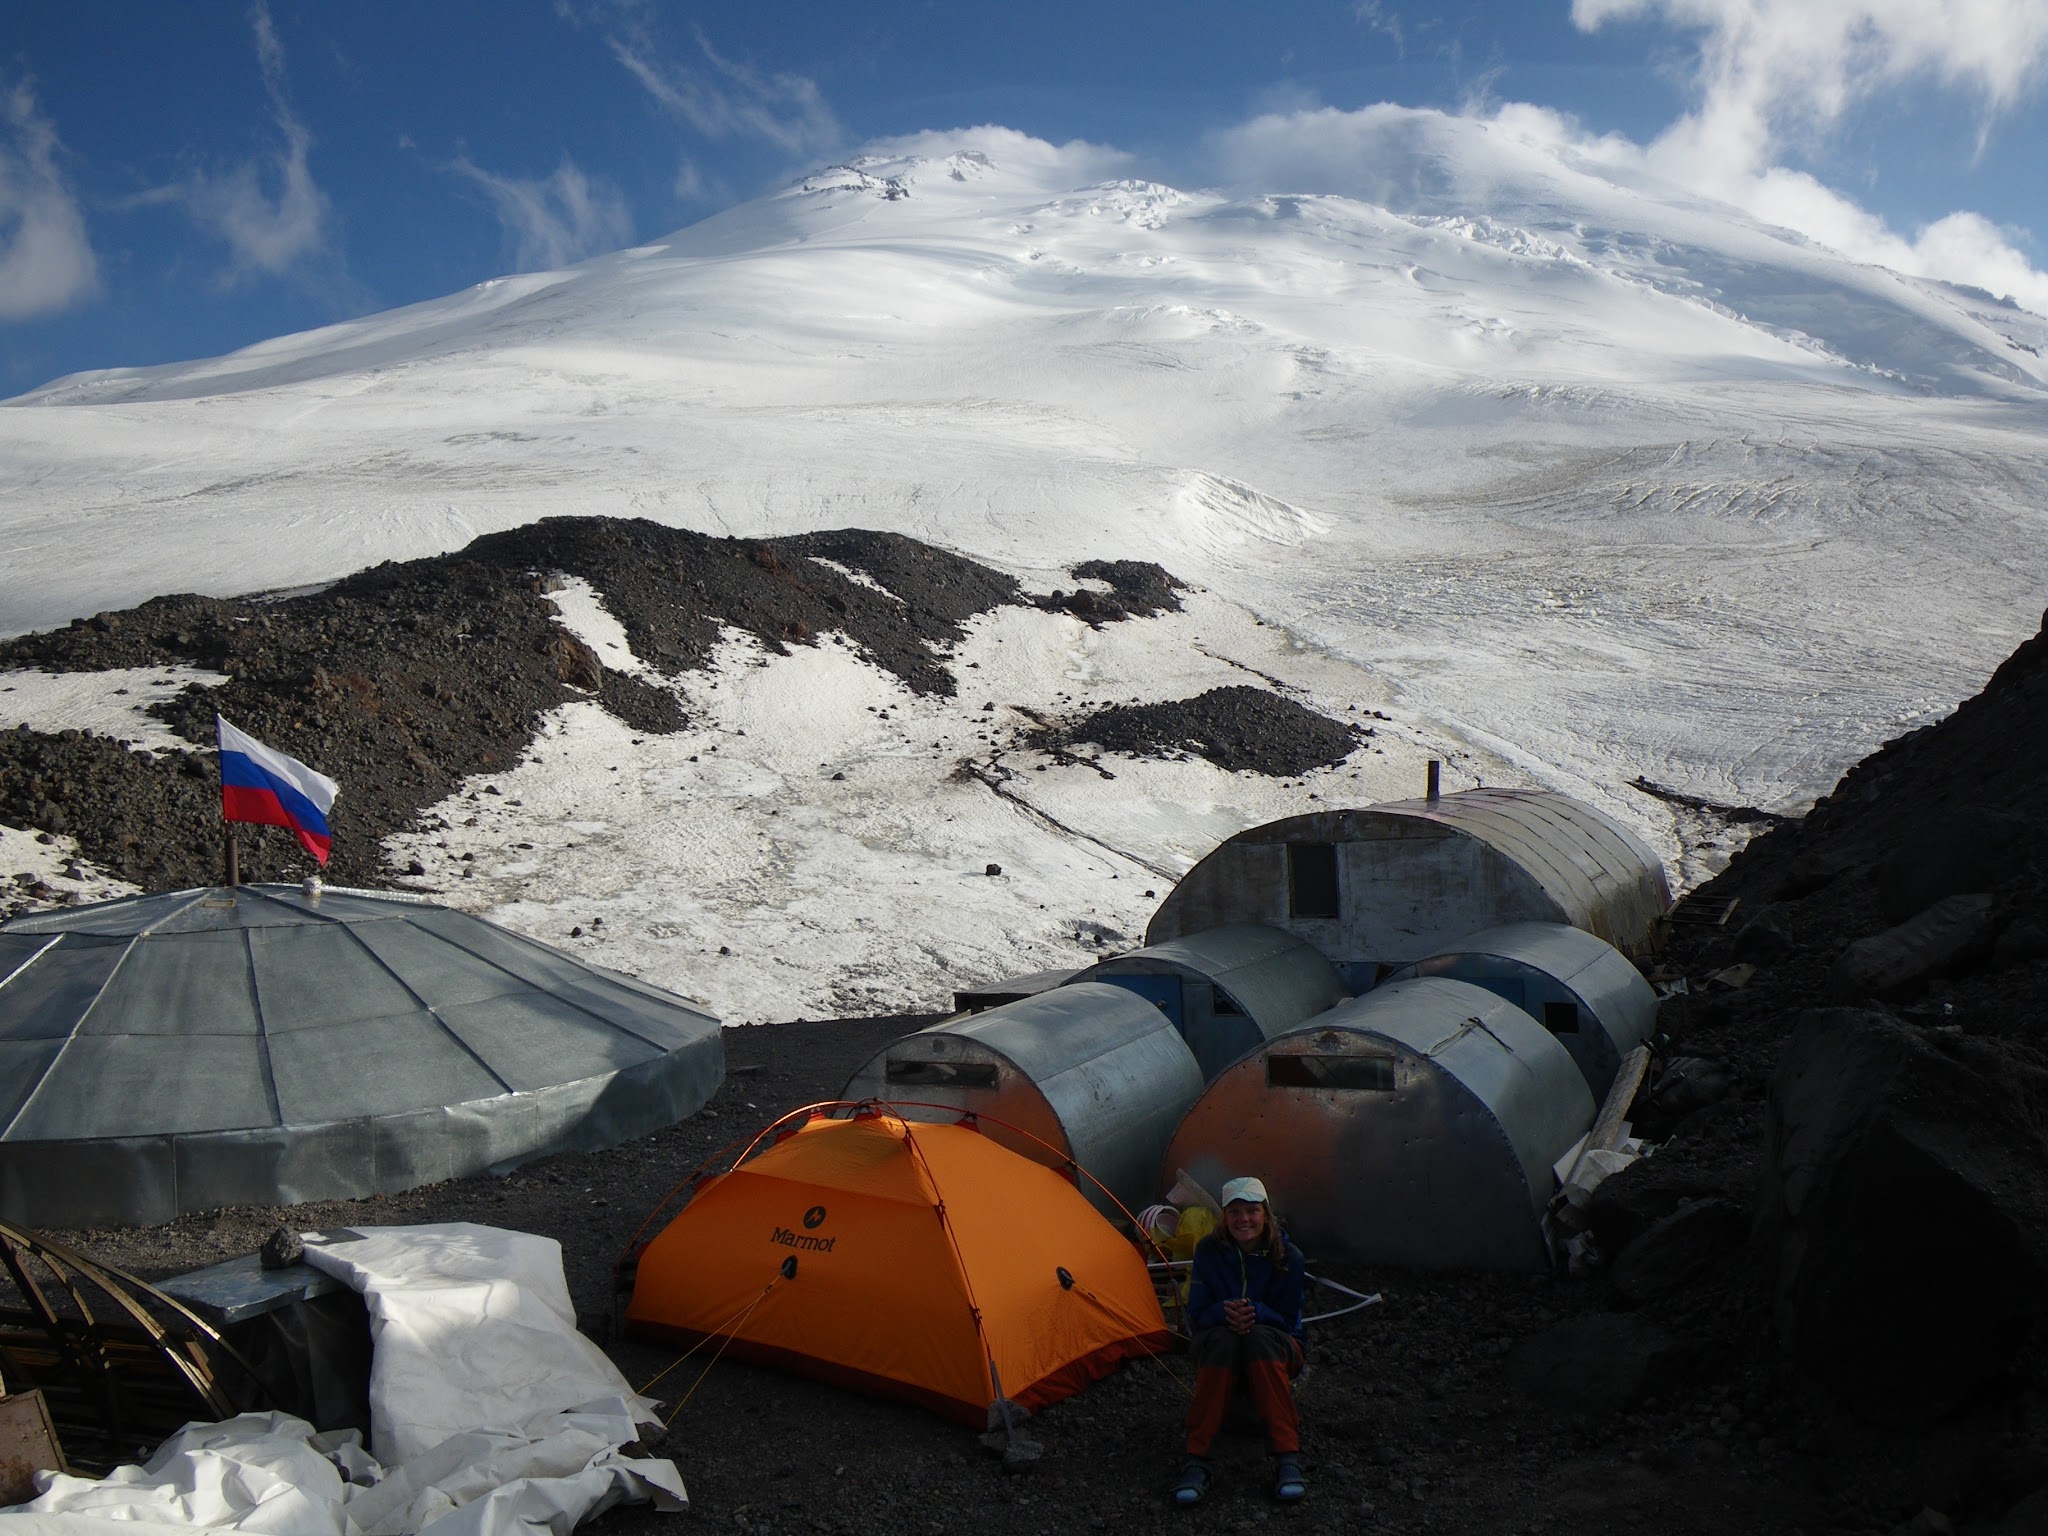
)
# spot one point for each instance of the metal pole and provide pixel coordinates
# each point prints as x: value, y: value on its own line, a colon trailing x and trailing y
x: 1435, y: 779
x: 234, y: 857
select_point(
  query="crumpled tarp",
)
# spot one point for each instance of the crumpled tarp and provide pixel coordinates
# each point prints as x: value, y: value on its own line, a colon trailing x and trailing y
x: 498, y: 1417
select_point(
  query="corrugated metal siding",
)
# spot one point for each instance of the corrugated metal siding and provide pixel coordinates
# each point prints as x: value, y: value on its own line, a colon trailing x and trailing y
x: 1439, y: 1157
x: 1278, y: 978
x: 1546, y: 962
x: 1547, y: 858
x: 1102, y: 1063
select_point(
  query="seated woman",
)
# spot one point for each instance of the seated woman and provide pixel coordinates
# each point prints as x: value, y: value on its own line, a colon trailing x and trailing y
x: 1244, y: 1309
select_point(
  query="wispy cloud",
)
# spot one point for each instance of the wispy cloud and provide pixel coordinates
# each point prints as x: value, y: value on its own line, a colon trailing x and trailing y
x: 270, y: 212
x: 727, y: 98
x: 1373, y: 14
x: 555, y: 220
x: 1769, y: 70
x: 1772, y: 76
x: 46, y: 261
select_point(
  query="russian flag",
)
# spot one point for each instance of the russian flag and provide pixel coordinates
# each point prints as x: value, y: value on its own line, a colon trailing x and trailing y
x: 262, y: 785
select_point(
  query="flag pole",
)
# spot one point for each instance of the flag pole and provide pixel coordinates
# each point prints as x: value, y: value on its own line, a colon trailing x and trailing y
x: 227, y: 827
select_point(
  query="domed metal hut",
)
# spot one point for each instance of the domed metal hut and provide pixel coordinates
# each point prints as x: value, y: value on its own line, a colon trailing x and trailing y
x: 1377, y: 887
x: 1227, y: 989
x: 1415, y: 1126
x: 1580, y: 988
x: 269, y: 1045
x: 1087, y: 1074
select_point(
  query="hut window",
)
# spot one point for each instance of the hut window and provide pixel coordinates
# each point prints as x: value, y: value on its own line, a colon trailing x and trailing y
x: 1561, y: 1018
x: 1365, y: 1074
x: 1312, y: 880
x: 1224, y: 1006
x: 941, y: 1074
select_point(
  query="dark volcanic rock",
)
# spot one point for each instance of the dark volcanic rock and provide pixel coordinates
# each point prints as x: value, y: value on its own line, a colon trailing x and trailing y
x: 1903, y: 1216
x: 1678, y: 1246
x: 403, y: 680
x: 1970, y: 849
x: 1597, y: 1364
x: 1239, y: 729
x: 1138, y: 588
x: 1627, y: 1204
x: 675, y: 591
x: 1953, y: 932
x: 1765, y: 938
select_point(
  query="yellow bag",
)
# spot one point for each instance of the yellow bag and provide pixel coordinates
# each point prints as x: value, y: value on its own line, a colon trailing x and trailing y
x: 1196, y: 1223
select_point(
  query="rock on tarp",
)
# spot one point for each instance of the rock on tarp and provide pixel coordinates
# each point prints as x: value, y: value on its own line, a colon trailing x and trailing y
x: 1903, y: 1210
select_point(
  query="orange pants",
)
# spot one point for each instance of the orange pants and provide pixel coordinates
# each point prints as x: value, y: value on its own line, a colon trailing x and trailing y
x: 1266, y: 1361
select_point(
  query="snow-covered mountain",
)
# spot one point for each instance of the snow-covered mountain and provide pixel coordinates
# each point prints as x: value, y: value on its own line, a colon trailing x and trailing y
x: 1591, y: 475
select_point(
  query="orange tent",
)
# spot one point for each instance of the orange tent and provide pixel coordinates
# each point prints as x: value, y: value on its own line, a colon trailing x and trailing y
x: 920, y: 1262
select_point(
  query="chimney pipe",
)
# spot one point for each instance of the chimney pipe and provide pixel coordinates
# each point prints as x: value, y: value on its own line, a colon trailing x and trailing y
x: 1435, y: 780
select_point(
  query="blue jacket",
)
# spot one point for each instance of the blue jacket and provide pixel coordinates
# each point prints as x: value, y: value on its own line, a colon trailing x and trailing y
x: 1224, y: 1272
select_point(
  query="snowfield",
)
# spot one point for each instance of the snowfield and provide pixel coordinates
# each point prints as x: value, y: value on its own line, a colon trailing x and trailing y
x: 1577, y: 479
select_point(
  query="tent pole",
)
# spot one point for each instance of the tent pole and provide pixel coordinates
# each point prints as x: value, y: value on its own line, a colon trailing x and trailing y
x: 234, y: 856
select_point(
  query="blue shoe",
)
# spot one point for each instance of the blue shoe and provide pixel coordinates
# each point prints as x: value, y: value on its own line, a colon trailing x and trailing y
x: 1194, y: 1482
x: 1289, y: 1486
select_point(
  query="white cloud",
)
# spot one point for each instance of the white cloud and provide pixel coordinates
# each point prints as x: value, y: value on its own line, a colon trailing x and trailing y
x: 1765, y: 62
x: 1775, y: 74
x: 732, y: 99
x: 1372, y: 14
x: 1770, y: 74
x: 1077, y: 158
x: 266, y: 231
x: 557, y: 219
x: 46, y: 261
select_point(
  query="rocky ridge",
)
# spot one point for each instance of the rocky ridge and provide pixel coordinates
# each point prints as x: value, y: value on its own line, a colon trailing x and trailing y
x: 402, y: 680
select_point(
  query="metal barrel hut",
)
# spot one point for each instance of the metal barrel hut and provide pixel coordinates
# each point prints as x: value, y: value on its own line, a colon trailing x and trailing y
x: 1227, y: 989
x: 1580, y: 988
x: 1377, y: 887
x: 271, y: 1044
x: 1414, y: 1126
x: 1092, y: 1075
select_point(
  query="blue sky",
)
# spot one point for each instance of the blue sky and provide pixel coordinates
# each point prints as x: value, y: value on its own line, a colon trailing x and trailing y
x: 180, y: 180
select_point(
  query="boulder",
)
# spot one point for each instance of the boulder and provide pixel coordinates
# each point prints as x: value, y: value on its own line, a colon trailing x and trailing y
x: 2029, y: 1517
x: 2021, y: 943
x: 1970, y: 849
x: 1677, y: 1247
x: 1948, y: 936
x: 1815, y: 871
x: 1627, y: 1204
x: 1596, y: 1364
x: 1765, y: 938
x: 1902, y: 1213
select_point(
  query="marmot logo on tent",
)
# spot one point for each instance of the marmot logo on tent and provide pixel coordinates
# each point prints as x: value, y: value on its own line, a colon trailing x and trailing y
x: 814, y: 1218
x: 789, y: 1239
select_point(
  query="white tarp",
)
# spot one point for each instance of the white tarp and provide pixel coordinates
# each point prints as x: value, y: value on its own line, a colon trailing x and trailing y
x: 497, y: 1416
x: 471, y: 1328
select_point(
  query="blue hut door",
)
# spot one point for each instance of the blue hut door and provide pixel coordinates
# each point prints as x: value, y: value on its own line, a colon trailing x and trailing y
x: 1163, y: 992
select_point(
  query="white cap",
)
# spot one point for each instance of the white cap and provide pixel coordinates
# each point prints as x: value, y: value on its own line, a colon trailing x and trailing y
x: 1244, y: 1189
